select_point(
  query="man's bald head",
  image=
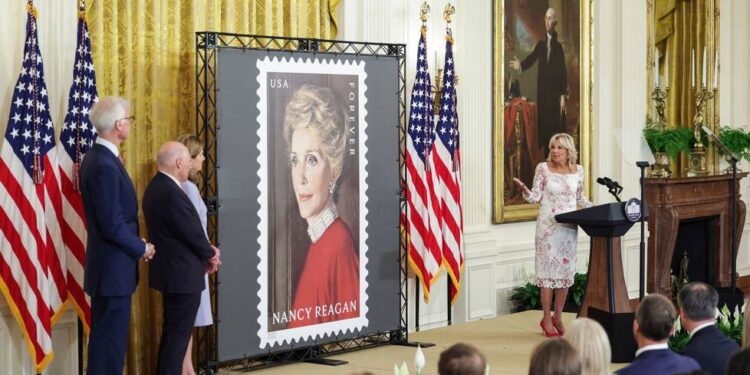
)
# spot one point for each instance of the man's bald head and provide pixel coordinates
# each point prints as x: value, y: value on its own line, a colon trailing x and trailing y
x: 174, y: 158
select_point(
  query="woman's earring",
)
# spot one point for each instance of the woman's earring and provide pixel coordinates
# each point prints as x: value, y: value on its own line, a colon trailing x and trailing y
x: 331, y: 187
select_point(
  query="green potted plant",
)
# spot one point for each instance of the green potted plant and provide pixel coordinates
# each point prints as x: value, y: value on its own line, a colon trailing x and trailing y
x: 666, y: 143
x: 737, y: 140
x: 528, y: 296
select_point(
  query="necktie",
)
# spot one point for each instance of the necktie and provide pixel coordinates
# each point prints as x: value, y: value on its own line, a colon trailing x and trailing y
x: 549, y: 47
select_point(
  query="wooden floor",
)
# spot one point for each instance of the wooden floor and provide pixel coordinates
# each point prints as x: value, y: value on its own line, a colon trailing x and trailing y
x: 506, y: 342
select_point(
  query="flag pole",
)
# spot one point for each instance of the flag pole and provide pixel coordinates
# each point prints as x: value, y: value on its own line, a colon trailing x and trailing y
x: 448, y: 299
x: 80, y: 347
x: 416, y: 304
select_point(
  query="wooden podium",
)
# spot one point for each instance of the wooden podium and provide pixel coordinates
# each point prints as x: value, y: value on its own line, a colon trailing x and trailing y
x: 606, y: 298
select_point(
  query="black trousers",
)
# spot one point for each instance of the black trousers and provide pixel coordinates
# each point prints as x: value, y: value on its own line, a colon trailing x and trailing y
x: 179, y: 319
x: 108, y: 339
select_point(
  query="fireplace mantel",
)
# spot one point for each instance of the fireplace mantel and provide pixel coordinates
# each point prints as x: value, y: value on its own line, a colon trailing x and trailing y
x: 671, y: 200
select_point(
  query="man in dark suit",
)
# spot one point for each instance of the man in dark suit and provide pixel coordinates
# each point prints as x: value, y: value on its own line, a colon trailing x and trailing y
x: 697, y: 303
x: 184, y: 253
x: 551, y: 81
x: 113, y: 247
x: 654, y: 323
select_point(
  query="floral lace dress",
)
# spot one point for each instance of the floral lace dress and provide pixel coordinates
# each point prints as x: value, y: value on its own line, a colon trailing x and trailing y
x: 556, y: 243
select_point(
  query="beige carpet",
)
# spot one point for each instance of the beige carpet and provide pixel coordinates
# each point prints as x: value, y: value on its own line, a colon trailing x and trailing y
x: 506, y: 341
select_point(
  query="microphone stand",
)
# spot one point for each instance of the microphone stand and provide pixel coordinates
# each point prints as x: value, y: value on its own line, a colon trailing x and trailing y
x: 614, y: 191
x: 733, y: 240
x: 642, y: 266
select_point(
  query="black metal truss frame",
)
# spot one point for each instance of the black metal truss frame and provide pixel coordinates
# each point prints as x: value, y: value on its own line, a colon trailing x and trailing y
x: 207, y: 45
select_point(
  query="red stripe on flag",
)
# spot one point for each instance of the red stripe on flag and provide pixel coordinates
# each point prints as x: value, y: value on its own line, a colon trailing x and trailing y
x: 73, y: 196
x: 55, y: 264
x: 21, y: 310
x: 27, y: 268
x: 24, y: 206
x: 81, y: 305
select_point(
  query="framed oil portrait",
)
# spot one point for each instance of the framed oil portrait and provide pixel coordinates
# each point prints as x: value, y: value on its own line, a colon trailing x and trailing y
x: 541, y: 86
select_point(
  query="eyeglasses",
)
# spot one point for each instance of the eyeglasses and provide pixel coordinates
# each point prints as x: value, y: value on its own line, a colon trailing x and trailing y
x: 131, y: 118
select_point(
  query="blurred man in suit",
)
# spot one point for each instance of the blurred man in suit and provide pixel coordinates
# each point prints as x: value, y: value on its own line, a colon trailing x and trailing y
x: 654, y: 323
x: 112, y: 246
x: 184, y: 253
x: 697, y: 302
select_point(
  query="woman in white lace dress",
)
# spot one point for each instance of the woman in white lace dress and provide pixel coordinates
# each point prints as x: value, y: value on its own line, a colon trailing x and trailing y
x: 558, y: 188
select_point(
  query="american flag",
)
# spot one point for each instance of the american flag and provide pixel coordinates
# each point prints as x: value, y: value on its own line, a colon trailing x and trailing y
x: 448, y: 166
x: 31, y: 275
x: 76, y: 138
x: 423, y: 229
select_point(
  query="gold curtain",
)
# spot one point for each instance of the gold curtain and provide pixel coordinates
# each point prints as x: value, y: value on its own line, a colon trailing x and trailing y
x: 144, y: 50
x: 682, y: 26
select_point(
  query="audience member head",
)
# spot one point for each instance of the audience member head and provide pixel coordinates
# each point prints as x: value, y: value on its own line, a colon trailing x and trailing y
x: 461, y: 359
x: 654, y: 320
x: 174, y: 159
x: 555, y: 357
x: 591, y: 341
x: 111, y: 118
x: 739, y: 363
x: 697, y: 302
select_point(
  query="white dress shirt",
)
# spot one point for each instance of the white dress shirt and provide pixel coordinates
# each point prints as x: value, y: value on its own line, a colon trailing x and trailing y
x: 651, y: 347
x: 173, y: 178
x: 109, y: 145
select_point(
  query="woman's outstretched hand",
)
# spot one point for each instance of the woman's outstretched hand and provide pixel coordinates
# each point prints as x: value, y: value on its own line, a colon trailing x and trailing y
x: 521, y: 186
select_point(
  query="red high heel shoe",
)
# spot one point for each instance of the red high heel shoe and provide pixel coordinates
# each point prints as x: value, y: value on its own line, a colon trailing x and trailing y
x: 558, y: 326
x: 547, y: 333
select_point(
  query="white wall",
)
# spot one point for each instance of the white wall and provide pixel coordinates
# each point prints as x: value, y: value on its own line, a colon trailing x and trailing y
x: 498, y: 257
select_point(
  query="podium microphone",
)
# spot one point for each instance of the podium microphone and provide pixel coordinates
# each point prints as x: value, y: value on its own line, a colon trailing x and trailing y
x: 605, y: 181
x: 613, y: 187
x: 617, y: 186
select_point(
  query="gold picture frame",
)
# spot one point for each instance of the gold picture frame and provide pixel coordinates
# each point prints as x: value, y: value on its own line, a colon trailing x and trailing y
x: 516, y: 114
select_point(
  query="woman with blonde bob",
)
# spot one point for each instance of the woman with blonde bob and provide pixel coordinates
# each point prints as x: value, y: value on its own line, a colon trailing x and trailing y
x: 589, y: 339
x: 558, y: 188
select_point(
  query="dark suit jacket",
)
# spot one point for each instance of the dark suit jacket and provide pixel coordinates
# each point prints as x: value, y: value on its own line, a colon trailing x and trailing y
x: 113, y: 247
x: 551, y: 83
x: 711, y: 349
x: 659, y: 362
x: 182, y: 250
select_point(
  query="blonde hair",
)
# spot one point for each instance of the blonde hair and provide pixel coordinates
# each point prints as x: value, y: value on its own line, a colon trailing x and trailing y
x: 589, y: 339
x: 195, y: 147
x: 566, y: 142
x: 316, y: 108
